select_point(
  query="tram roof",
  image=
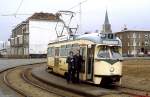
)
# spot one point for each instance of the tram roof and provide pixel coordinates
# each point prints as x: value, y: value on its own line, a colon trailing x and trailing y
x: 101, y: 38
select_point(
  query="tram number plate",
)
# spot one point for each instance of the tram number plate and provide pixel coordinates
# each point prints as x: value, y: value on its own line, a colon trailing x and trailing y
x: 110, y: 42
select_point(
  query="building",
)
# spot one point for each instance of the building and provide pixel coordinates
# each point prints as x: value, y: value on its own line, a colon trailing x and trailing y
x: 4, y: 48
x: 135, y: 42
x: 1, y: 45
x: 31, y: 37
x: 106, y: 26
x: 1, y: 48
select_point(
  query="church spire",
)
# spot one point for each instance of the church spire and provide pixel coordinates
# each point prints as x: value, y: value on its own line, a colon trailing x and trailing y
x: 106, y: 25
x: 106, y: 18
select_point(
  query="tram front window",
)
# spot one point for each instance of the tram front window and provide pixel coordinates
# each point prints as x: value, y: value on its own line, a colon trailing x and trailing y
x: 109, y: 52
x: 115, y: 52
x: 103, y: 52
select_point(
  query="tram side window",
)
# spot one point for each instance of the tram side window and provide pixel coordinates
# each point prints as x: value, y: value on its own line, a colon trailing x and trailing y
x: 63, y: 51
x: 57, y: 51
x: 50, y: 52
x: 68, y: 49
x: 75, y: 46
x: 53, y: 51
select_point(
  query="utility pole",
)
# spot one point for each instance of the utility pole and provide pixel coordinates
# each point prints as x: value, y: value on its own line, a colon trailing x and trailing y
x: 80, y: 4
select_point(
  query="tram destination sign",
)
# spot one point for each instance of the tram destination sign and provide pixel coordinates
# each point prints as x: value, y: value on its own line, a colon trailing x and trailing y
x: 112, y: 42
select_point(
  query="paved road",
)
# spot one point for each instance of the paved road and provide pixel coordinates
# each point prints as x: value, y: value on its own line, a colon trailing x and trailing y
x: 8, y: 63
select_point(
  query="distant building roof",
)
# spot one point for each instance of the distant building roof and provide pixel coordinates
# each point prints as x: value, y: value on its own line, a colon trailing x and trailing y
x: 133, y: 30
x: 40, y: 16
x: 44, y: 16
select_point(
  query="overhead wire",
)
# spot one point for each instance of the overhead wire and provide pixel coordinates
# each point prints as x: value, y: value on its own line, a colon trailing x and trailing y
x: 19, y: 7
x: 77, y: 4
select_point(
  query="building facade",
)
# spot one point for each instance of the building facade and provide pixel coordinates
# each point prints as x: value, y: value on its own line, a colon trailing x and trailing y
x: 135, y: 42
x: 31, y: 37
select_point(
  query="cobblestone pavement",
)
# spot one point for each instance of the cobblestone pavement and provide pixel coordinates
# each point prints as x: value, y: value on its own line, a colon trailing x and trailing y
x: 8, y: 63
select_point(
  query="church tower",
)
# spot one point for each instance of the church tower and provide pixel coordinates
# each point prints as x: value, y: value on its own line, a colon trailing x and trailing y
x: 106, y: 25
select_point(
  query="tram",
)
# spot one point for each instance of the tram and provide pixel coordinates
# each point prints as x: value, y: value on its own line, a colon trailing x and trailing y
x: 102, y: 54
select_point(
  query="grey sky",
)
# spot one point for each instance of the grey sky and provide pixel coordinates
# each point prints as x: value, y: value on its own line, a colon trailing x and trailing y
x: 133, y: 13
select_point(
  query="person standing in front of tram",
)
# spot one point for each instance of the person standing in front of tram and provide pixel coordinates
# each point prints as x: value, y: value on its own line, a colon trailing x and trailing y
x: 78, y: 62
x: 71, y: 67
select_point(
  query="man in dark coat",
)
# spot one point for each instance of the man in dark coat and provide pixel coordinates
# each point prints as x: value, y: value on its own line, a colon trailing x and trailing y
x: 71, y: 67
x: 78, y: 62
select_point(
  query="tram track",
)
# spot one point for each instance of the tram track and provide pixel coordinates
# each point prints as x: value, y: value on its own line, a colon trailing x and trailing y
x: 133, y: 91
x: 23, y: 74
x: 5, y: 83
x: 29, y: 78
x: 18, y: 79
x: 14, y: 79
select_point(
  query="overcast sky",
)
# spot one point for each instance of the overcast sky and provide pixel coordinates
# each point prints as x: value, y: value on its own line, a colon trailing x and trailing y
x: 133, y: 13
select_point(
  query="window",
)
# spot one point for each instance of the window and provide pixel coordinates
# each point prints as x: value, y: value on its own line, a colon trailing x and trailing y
x: 109, y: 52
x: 134, y: 43
x: 63, y: 50
x: 134, y: 35
x: 69, y: 46
x: 128, y: 36
x: 57, y: 51
x: 75, y: 45
x: 68, y: 49
x: 128, y: 44
x: 146, y: 43
x: 128, y: 52
x: 26, y: 39
x: 50, y: 51
x: 115, y: 52
x: 139, y: 44
x: 139, y: 35
x: 146, y: 36
x: 103, y: 52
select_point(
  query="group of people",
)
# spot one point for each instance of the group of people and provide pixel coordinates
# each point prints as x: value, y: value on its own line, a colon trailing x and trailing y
x: 74, y: 66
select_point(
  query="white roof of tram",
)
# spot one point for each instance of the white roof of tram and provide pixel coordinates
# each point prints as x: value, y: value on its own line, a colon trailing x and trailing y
x: 100, y: 39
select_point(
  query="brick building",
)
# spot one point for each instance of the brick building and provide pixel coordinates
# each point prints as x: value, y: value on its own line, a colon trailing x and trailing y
x: 135, y: 42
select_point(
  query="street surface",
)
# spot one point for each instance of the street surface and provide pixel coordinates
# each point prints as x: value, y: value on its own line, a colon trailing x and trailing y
x: 8, y: 63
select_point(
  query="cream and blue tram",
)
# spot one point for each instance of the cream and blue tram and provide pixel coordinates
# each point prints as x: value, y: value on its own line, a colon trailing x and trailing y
x: 102, y: 54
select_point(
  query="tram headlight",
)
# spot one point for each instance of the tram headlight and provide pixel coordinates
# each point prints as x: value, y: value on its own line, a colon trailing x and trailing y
x: 112, y: 69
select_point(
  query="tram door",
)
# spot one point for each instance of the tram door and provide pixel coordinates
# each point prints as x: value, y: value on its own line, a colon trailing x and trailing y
x: 83, y: 53
x: 56, y: 59
x: 90, y: 62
